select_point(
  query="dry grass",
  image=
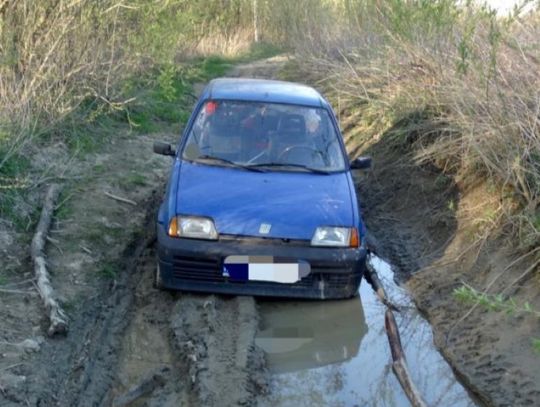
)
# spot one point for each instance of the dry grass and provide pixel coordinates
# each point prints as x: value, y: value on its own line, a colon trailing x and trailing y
x: 72, y: 73
x: 54, y: 57
x: 228, y: 45
x: 58, y: 54
x: 459, y: 87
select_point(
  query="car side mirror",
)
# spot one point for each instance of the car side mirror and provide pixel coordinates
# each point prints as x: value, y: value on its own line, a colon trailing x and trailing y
x: 361, y: 163
x: 163, y: 148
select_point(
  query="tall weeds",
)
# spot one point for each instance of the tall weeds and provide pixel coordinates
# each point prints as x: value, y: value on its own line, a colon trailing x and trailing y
x: 459, y: 83
x: 57, y: 54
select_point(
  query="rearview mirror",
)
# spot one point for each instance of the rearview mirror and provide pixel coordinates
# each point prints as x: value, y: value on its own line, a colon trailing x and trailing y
x: 163, y: 148
x: 361, y: 163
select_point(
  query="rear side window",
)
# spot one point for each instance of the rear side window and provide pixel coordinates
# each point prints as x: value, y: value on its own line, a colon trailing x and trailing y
x: 249, y: 133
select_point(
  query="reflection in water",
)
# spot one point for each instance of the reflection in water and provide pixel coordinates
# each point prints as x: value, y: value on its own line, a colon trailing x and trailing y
x: 323, y: 354
x: 305, y: 335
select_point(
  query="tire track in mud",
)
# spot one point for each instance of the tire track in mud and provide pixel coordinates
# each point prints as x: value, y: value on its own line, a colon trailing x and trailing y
x: 215, y: 336
x: 78, y: 370
x: 202, y: 345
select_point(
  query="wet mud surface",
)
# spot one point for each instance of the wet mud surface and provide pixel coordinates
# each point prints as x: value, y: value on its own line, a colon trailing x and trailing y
x: 214, y: 350
x: 336, y: 353
x: 225, y: 350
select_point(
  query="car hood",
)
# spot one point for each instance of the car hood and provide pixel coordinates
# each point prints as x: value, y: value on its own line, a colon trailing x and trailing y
x: 239, y: 201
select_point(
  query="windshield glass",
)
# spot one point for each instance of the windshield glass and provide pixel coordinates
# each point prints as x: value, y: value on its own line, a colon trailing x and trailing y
x: 253, y: 134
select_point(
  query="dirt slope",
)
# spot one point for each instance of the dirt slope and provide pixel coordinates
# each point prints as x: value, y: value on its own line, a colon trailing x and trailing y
x: 430, y: 227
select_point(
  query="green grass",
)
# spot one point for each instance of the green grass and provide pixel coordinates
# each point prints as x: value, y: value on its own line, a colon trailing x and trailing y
x: 99, y: 169
x: 108, y: 270
x: 536, y: 345
x: 134, y: 180
x: 165, y: 95
x: 493, y: 302
x: 215, y: 66
x: 14, y: 166
x: 260, y: 50
x: 65, y: 210
x: 496, y: 302
x: 12, y: 192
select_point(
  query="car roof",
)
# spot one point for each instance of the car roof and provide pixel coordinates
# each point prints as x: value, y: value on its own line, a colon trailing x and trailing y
x: 263, y: 90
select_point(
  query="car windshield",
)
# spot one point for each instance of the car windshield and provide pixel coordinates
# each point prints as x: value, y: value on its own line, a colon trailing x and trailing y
x: 268, y: 136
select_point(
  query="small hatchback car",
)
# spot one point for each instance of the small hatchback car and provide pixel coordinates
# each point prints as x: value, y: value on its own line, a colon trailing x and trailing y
x: 260, y: 199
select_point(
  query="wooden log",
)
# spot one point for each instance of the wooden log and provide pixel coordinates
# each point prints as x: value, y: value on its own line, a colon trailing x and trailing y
x: 120, y: 199
x: 57, y: 317
x: 399, y: 365
x: 372, y: 278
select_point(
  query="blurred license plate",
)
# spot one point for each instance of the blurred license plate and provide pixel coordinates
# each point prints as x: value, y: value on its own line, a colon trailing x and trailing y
x: 265, y: 268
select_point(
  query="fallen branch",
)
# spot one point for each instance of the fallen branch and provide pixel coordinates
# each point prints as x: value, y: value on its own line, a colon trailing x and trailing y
x: 372, y: 278
x: 399, y: 365
x: 145, y: 386
x: 85, y: 249
x: 57, y: 317
x: 13, y: 291
x: 119, y: 198
x: 26, y: 345
x: 17, y: 283
x: 3, y: 369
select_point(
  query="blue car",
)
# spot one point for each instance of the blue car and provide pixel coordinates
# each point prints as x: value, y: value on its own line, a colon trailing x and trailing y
x: 260, y: 199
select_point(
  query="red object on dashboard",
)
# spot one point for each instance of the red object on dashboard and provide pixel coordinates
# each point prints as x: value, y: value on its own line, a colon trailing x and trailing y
x: 210, y: 107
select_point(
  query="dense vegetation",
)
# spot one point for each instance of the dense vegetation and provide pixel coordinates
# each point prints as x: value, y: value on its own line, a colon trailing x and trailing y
x: 457, y: 85
x: 457, y: 82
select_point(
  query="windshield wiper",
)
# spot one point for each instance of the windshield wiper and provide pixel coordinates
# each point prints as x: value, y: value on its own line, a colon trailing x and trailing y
x: 302, y: 166
x: 229, y: 162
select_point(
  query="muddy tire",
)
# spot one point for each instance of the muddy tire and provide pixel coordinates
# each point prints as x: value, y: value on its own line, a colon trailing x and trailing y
x: 158, y: 282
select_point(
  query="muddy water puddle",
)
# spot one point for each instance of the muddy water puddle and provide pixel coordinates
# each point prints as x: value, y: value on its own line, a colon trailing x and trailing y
x: 335, y: 353
x: 316, y: 353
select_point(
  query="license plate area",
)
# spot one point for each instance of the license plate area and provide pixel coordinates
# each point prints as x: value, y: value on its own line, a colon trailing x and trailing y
x: 265, y: 268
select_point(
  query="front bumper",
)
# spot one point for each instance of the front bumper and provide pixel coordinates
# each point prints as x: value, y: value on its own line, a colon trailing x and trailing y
x: 196, y: 265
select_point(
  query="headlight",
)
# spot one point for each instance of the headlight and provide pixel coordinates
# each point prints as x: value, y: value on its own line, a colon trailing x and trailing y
x: 193, y: 227
x: 335, y: 237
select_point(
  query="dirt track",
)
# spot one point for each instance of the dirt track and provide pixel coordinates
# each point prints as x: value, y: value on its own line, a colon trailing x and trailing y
x: 122, y: 330
x: 128, y: 341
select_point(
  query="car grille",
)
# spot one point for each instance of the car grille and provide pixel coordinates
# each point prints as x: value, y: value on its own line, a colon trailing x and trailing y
x: 205, y: 269
x: 193, y: 268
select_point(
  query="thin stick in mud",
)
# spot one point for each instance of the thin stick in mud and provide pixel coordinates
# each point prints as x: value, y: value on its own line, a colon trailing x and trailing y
x: 399, y: 365
x: 57, y: 317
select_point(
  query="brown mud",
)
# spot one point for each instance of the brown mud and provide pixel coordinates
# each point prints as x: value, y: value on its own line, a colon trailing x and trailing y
x: 430, y: 227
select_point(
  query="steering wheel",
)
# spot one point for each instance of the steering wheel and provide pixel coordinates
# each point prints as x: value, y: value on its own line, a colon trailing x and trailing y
x: 299, y: 147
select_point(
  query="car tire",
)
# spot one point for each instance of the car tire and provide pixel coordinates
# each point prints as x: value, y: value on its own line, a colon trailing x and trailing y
x: 158, y: 282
